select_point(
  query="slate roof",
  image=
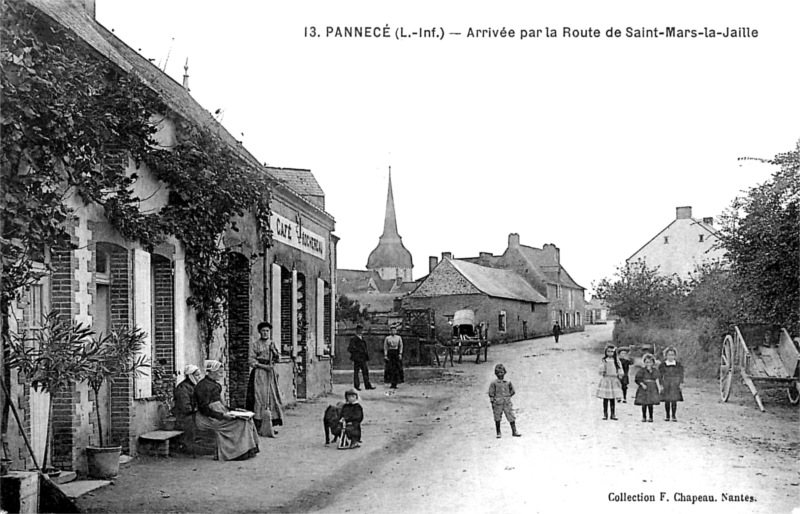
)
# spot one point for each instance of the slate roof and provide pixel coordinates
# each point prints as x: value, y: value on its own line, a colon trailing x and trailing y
x: 550, y: 269
x: 499, y: 283
x: 302, y: 181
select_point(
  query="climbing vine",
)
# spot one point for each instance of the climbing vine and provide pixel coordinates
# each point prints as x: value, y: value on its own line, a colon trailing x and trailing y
x: 70, y: 123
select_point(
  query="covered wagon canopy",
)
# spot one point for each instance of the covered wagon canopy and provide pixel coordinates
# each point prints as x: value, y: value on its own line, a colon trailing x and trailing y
x: 464, y: 317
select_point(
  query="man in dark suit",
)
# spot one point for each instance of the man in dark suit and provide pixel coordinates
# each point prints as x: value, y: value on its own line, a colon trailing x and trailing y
x: 359, y: 354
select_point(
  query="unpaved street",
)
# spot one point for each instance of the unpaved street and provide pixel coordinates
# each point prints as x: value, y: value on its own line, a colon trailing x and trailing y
x: 432, y: 448
x: 570, y: 460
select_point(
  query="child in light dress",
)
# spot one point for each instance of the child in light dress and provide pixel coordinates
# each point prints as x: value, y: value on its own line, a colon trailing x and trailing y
x: 610, y: 387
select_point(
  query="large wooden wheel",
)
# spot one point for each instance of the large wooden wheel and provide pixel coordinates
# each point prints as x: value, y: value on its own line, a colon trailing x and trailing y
x: 726, y: 368
x: 794, y: 393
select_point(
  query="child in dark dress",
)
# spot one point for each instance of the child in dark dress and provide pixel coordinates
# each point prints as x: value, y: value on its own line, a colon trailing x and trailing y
x: 626, y: 362
x: 647, y: 394
x: 352, y: 416
x: 670, y: 373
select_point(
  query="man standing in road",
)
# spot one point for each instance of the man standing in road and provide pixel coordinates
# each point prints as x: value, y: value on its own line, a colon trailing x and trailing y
x: 556, y: 331
x: 359, y: 354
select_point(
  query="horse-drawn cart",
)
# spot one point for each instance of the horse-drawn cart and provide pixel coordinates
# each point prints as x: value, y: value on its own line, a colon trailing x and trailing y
x: 765, y: 356
x: 467, y: 337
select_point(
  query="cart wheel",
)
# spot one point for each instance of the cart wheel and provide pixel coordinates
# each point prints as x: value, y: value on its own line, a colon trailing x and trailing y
x: 726, y: 368
x: 794, y: 393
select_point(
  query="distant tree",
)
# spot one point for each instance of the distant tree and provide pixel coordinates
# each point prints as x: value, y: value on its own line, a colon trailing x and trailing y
x: 760, y: 233
x: 640, y: 293
x: 350, y: 310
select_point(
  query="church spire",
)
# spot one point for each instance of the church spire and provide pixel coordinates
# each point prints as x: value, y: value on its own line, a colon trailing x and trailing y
x: 390, y: 221
x: 390, y: 258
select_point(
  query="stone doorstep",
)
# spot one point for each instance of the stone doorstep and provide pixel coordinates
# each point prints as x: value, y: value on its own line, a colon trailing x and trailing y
x: 80, y: 487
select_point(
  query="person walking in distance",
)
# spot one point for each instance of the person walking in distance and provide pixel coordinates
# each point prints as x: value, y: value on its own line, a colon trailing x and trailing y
x: 359, y: 354
x: 556, y: 331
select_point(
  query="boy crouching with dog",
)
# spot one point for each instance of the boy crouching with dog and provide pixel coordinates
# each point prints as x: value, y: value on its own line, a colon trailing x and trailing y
x: 351, y: 417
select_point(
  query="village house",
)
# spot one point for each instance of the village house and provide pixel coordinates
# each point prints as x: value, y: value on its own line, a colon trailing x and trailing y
x: 682, y: 245
x: 542, y: 268
x: 520, y: 294
x: 108, y: 282
x: 500, y: 298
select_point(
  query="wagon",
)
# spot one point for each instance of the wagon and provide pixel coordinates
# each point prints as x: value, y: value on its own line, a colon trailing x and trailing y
x: 468, y: 336
x: 765, y: 356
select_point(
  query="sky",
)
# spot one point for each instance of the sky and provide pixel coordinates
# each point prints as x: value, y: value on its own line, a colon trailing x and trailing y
x: 589, y: 143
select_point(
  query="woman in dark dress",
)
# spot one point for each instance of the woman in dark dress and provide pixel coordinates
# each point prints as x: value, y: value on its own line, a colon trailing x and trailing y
x: 670, y: 373
x: 393, y: 355
x: 236, y: 436
x: 647, y: 394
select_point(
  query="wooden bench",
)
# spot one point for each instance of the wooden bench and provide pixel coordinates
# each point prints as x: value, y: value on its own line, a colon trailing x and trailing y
x: 157, y: 442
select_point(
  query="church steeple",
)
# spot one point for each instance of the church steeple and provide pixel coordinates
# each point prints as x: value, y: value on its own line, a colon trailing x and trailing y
x: 390, y: 258
x: 390, y: 221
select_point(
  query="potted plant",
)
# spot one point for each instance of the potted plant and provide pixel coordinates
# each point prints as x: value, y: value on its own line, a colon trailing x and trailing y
x: 51, y: 357
x: 110, y: 357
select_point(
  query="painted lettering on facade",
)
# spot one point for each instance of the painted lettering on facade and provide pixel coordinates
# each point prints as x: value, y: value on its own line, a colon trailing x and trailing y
x: 293, y: 234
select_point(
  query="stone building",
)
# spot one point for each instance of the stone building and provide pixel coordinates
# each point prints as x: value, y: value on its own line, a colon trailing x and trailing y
x: 502, y: 299
x: 542, y: 268
x: 683, y: 244
x: 108, y: 282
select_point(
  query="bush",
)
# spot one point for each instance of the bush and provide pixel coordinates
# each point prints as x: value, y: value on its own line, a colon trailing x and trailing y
x: 698, y: 342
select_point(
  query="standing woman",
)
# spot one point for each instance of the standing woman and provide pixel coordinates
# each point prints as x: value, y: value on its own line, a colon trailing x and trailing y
x: 263, y: 395
x: 671, y: 374
x: 393, y: 355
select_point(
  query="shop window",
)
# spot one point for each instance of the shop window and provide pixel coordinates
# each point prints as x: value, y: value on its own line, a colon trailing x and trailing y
x: 501, y: 321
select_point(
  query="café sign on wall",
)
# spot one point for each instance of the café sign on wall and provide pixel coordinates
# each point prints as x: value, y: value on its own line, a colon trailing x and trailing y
x: 293, y: 234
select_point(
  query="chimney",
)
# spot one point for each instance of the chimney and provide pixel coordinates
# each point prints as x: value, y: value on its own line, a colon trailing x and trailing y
x: 447, y: 255
x: 552, y: 251
x: 683, y: 213
x: 89, y: 7
x: 513, y: 240
x: 709, y: 221
x: 432, y: 262
x: 186, y: 75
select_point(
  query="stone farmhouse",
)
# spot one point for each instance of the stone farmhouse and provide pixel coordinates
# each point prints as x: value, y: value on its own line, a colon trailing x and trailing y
x: 520, y: 294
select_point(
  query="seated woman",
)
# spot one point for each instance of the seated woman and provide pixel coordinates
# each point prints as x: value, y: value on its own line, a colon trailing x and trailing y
x: 185, y: 405
x: 237, y: 438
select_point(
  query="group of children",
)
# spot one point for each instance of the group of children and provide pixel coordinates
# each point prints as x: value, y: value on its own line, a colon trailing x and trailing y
x: 655, y: 385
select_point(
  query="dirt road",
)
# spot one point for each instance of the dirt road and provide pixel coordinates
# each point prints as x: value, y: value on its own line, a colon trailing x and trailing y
x: 431, y: 448
x: 570, y: 460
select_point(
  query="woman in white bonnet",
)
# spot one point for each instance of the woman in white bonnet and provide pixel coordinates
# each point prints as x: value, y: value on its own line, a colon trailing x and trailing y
x: 237, y: 438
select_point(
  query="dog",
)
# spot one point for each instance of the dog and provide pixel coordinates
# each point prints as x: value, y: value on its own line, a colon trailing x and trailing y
x: 331, y: 422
